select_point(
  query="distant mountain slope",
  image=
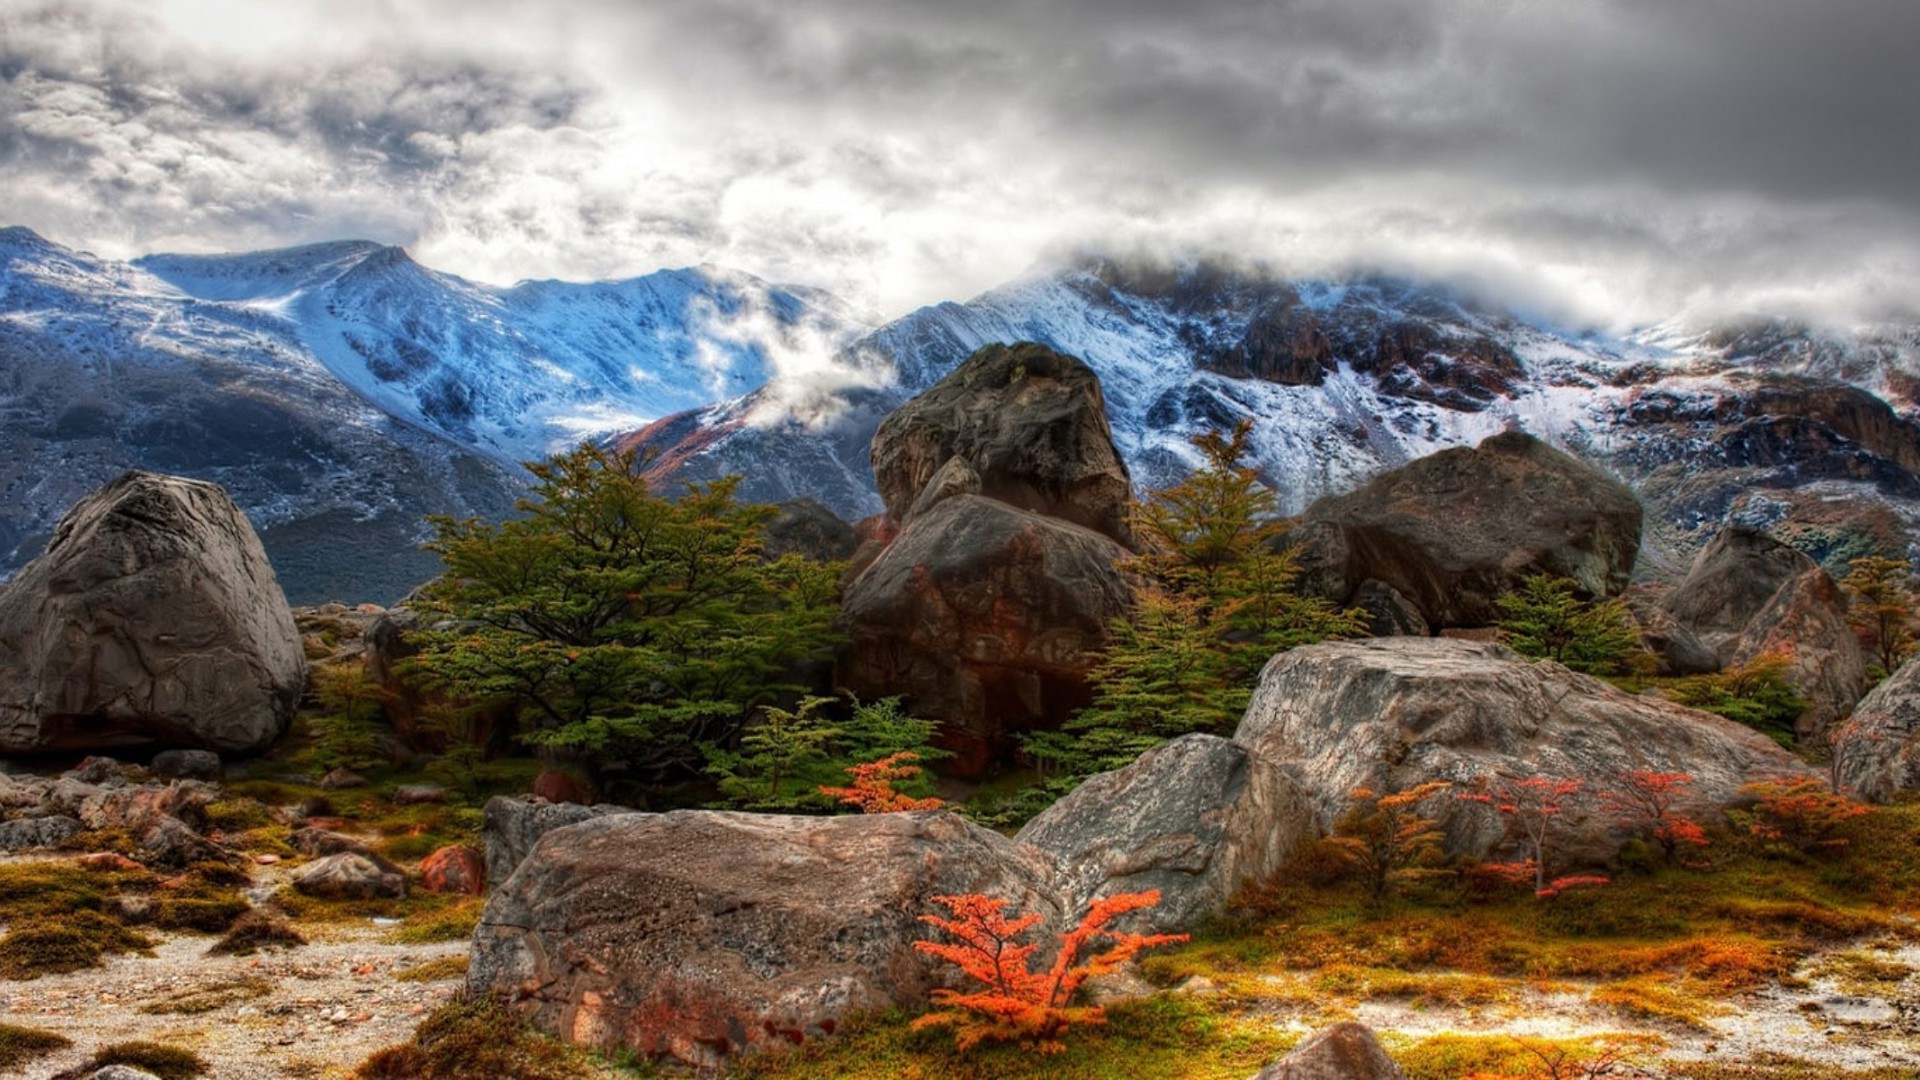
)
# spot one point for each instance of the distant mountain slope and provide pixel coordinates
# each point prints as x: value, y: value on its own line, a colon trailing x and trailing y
x: 342, y: 392
x: 1769, y: 423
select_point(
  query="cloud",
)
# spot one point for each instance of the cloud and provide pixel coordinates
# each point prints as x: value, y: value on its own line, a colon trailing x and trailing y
x: 1613, y: 160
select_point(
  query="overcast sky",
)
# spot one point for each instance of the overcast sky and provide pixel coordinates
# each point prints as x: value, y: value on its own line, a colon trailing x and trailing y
x: 1615, y: 160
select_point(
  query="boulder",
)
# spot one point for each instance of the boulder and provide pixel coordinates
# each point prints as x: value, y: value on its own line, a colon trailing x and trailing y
x: 806, y: 528
x: 702, y: 934
x: 985, y: 617
x: 1345, y: 1051
x: 120, y: 1072
x: 352, y: 875
x: 456, y: 868
x: 510, y: 827
x: 318, y: 842
x: 1454, y: 531
x: 152, y: 617
x: 1196, y: 819
x: 956, y: 477
x: 187, y: 764
x: 1876, y: 753
x: 1032, y: 425
x: 1748, y: 595
x: 418, y: 794
x: 137, y: 809
x: 341, y: 779
x: 1393, y: 713
x: 27, y: 834
x: 1677, y: 649
x: 554, y: 785
x: 1389, y: 614
x: 170, y: 842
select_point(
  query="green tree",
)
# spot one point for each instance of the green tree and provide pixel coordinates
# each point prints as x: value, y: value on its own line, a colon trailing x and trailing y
x: 1882, y: 611
x: 782, y: 758
x: 347, y: 731
x: 1547, y: 620
x: 629, y: 629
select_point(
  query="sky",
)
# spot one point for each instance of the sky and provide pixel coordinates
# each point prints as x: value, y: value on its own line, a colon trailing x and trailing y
x: 1610, y: 162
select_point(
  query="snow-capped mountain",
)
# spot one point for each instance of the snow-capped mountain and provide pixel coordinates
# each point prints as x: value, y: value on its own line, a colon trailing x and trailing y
x: 341, y: 392
x: 1769, y: 422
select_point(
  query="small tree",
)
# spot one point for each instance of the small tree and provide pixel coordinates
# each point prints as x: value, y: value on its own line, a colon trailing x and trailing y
x: 1546, y: 619
x: 1015, y: 1003
x: 348, y: 729
x: 1643, y: 800
x: 1534, y: 805
x: 1882, y: 612
x: 1759, y: 693
x: 1386, y: 838
x: 1802, y: 813
x: 779, y: 759
x: 872, y: 790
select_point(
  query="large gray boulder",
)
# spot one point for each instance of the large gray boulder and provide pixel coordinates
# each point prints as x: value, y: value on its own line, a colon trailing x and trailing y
x: 1876, y: 753
x: 153, y: 617
x: 1346, y: 1051
x: 512, y: 825
x: 1454, y: 531
x: 1748, y: 595
x: 1393, y: 713
x: 701, y: 934
x: 986, y: 617
x: 1030, y: 423
x: 1197, y: 819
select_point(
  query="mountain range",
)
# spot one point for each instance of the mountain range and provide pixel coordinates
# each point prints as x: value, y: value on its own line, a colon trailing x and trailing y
x: 342, y: 392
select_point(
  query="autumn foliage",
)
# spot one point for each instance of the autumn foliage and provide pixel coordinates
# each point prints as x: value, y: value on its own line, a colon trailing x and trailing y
x: 1387, y: 840
x: 1014, y: 1003
x: 872, y: 788
x: 1803, y: 813
x: 1643, y: 800
x: 1533, y: 805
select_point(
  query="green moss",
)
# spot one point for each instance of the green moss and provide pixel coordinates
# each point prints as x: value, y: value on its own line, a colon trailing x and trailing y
x: 452, y: 922
x: 254, y: 931
x: 237, y: 815
x: 207, y: 915
x: 19, y: 1045
x: 163, y: 1061
x: 1780, y: 1067
x: 58, y: 887
x: 53, y: 945
x: 437, y: 970
x: 1450, y: 1057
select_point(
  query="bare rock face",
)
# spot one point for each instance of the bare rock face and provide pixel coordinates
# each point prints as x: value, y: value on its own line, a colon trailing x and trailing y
x: 511, y: 826
x: 1032, y: 425
x: 1749, y: 594
x: 153, y: 617
x: 1452, y: 532
x: 806, y: 528
x: 1877, y: 751
x: 986, y: 617
x: 702, y: 934
x: 1346, y: 1051
x: 1196, y: 819
x: 1393, y: 713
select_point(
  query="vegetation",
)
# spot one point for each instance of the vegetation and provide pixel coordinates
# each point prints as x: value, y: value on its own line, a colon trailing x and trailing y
x: 872, y: 789
x: 19, y: 1045
x: 1546, y: 619
x: 1386, y: 840
x: 473, y: 1037
x: 624, y: 627
x: 348, y: 727
x: 1884, y: 600
x: 1758, y: 694
x: 1533, y: 807
x: 1015, y: 1004
x: 163, y: 1061
x: 791, y: 760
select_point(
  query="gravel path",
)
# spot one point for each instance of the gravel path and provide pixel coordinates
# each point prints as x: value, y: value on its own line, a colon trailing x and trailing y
x: 311, y: 1012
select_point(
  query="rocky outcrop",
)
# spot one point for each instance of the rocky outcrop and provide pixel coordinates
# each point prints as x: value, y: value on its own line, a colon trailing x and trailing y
x: 187, y: 764
x: 1346, y: 1051
x: 352, y: 875
x: 1032, y: 425
x: 804, y: 527
x: 703, y: 934
x: 1452, y: 532
x: 986, y: 617
x: 1393, y: 713
x: 1877, y: 751
x: 1196, y: 819
x: 153, y: 617
x: 1749, y: 595
x: 511, y: 826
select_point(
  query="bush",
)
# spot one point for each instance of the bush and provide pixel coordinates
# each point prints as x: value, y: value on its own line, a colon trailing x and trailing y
x: 475, y: 1037
x: 1758, y: 694
x: 1547, y: 620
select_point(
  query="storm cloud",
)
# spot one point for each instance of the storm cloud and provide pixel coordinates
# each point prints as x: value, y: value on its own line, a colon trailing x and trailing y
x: 1617, y: 161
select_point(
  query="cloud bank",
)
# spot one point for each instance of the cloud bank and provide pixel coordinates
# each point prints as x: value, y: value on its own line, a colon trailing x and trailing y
x: 1615, y: 161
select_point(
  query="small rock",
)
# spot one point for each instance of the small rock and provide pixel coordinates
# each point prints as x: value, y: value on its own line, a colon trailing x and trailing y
x: 187, y: 764
x: 98, y: 770
x: 43, y: 832
x: 1346, y: 1051
x: 455, y: 869
x: 352, y: 875
x: 414, y: 794
x: 316, y: 842
x: 342, y: 778
x: 120, y: 1072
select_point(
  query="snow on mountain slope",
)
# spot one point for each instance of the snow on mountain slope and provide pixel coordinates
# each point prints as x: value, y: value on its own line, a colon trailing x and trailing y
x: 1345, y: 379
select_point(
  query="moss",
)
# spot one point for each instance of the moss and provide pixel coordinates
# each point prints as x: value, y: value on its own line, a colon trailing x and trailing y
x: 206, y: 999
x: 163, y: 1061
x: 19, y: 1045
x: 255, y: 931
x: 1780, y: 1067
x: 207, y: 915
x: 1450, y: 1056
x: 476, y: 1037
x: 118, y: 841
x: 232, y: 815
x: 58, y: 887
x: 452, y: 922
x: 439, y: 969
x: 53, y: 945
x: 1167, y: 1036
x: 1863, y: 973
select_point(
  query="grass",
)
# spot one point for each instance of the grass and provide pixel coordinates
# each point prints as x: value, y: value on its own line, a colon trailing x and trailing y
x: 163, y: 1061
x: 206, y: 999
x: 19, y: 1045
x: 1450, y: 1056
x: 438, y: 969
x: 1863, y: 973
x: 1166, y: 1036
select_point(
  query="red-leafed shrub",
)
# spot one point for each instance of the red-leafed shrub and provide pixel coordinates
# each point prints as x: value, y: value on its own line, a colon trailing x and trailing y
x: 1387, y: 840
x: 1803, y: 813
x: 1643, y: 801
x: 872, y: 788
x: 1015, y: 1003
x: 1532, y: 806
